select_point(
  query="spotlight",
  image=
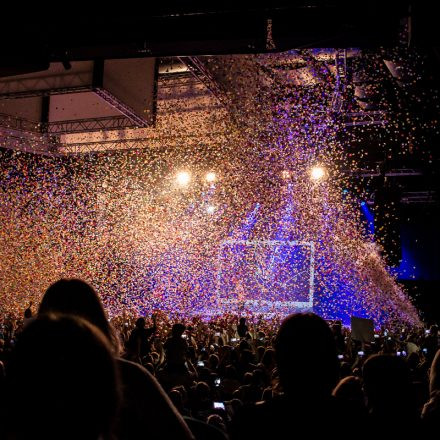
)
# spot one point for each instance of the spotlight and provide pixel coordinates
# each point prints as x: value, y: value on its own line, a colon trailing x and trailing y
x: 210, y: 177
x: 210, y: 209
x: 317, y: 173
x: 285, y: 174
x: 183, y: 178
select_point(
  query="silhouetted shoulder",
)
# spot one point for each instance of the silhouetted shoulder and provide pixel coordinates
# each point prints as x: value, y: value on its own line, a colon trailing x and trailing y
x: 283, y: 418
x: 203, y: 431
x: 146, y: 407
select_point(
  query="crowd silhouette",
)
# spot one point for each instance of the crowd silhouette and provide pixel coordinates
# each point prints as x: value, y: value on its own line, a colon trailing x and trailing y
x: 69, y: 372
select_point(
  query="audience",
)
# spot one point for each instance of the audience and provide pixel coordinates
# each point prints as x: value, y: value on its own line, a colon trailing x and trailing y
x: 242, y: 328
x: 144, y: 407
x: 138, y: 343
x: 431, y: 410
x: 387, y: 387
x: 176, y: 349
x: 308, y: 370
x: 349, y: 390
x: 62, y: 382
x: 70, y: 372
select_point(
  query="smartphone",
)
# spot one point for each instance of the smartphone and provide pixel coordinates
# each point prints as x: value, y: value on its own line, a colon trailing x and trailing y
x: 200, y: 364
x: 376, y: 336
x: 219, y: 405
x: 185, y: 336
x: 399, y: 353
x: 217, y: 382
x: 340, y: 356
x: 425, y: 350
x: 427, y: 332
x: 233, y: 339
x: 360, y: 353
x: 217, y: 334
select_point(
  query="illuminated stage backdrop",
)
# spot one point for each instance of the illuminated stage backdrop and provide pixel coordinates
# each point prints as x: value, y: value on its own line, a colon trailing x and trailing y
x: 265, y: 276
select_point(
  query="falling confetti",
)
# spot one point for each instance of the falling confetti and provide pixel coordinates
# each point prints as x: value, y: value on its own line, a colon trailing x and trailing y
x: 147, y: 227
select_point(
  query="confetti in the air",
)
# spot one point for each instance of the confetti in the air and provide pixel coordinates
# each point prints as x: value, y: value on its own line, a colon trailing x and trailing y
x: 219, y: 214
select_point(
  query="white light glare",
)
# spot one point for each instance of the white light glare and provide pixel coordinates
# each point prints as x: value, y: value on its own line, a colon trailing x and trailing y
x: 317, y: 173
x: 210, y: 209
x: 210, y: 177
x: 183, y: 178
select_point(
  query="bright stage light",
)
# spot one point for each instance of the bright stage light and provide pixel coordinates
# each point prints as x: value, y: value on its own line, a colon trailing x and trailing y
x: 183, y: 178
x: 317, y: 173
x: 210, y: 209
x: 210, y: 177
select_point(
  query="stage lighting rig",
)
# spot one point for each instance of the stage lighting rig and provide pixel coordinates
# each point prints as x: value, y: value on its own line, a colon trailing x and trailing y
x: 317, y: 173
x: 211, y: 177
x: 183, y: 178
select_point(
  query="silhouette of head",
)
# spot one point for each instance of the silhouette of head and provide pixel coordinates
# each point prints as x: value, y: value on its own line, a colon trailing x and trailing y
x: 177, y: 330
x: 76, y: 297
x: 62, y: 381
x: 140, y: 323
x: 387, y: 385
x: 434, y: 377
x: 306, y: 356
x: 350, y: 390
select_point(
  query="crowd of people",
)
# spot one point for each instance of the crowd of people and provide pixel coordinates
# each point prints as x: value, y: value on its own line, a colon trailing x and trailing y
x: 66, y: 371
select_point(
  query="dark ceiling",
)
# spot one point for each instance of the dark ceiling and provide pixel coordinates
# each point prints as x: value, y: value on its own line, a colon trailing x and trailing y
x: 202, y: 28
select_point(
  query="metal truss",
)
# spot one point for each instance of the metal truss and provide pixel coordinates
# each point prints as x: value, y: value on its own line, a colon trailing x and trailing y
x: 112, y: 100
x: 87, y: 125
x: 173, y: 80
x: 20, y: 124
x: 29, y: 142
x: 44, y: 85
x: 122, y: 108
x: 373, y: 171
x: 376, y: 171
x: 416, y: 197
x: 113, y: 145
x: 193, y: 140
x: 198, y: 69
x: 403, y: 172
x: 354, y: 119
x: 24, y: 135
x: 45, y: 92
x: 340, y: 80
x: 66, y: 127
